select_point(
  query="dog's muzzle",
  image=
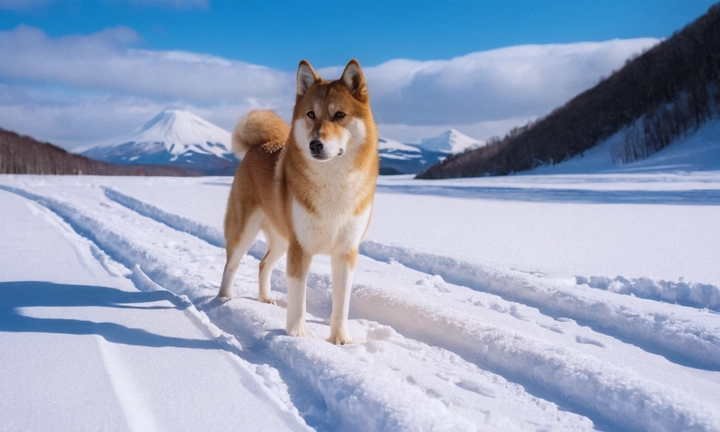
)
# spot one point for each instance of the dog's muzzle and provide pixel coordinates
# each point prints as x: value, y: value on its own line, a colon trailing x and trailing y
x: 317, y: 150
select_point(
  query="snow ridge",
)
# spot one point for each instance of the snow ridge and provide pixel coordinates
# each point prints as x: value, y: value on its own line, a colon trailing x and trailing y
x: 688, y: 340
x: 684, y: 293
x: 633, y: 402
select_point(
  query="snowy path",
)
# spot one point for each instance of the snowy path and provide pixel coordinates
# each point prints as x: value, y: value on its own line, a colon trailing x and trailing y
x: 442, y: 343
x: 138, y: 360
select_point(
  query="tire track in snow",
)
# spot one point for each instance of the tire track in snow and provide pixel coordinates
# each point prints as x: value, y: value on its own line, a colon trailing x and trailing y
x: 618, y: 397
x: 358, y: 396
x: 689, y: 341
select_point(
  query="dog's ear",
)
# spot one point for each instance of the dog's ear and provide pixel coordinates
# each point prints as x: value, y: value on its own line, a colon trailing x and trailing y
x: 354, y: 80
x: 306, y: 77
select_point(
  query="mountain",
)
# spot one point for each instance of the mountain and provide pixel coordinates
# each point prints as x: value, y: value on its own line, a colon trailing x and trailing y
x: 172, y: 138
x: 182, y: 139
x: 399, y: 158
x: 656, y: 99
x: 402, y: 158
x: 449, y: 142
x: 21, y: 154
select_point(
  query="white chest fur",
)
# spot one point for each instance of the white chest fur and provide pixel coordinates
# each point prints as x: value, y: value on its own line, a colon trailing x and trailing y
x: 332, y: 226
x: 329, y: 233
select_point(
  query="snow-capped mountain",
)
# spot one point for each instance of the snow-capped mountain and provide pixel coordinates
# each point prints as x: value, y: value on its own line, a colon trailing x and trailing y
x: 449, y: 142
x: 412, y: 158
x: 180, y: 138
x: 173, y: 137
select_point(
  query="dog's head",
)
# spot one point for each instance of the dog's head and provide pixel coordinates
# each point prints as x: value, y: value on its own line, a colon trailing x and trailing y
x: 330, y: 117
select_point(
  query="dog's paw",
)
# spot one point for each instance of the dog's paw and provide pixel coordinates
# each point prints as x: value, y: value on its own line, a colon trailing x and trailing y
x: 224, y: 298
x: 340, y: 337
x: 296, y: 330
x: 267, y: 300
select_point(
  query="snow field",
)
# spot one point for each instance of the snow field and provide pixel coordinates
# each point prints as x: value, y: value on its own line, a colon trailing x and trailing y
x: 431, y: 354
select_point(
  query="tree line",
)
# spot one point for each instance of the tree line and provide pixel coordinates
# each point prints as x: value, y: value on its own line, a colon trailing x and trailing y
x: 21, y: 154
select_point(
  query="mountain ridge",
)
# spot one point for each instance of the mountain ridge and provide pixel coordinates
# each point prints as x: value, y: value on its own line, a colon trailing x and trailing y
x: 181, y: 138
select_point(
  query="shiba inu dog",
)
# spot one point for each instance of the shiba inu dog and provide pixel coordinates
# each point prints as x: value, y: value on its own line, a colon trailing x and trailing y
x: 309, y: 188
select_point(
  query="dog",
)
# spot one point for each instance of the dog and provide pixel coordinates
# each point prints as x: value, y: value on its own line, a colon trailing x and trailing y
x: 309, y: 187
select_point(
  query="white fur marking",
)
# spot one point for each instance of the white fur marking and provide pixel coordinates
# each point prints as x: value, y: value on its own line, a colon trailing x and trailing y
x: 357, y: 131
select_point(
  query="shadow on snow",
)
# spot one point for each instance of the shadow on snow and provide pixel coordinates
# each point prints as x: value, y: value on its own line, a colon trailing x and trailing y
x: 27, y: 294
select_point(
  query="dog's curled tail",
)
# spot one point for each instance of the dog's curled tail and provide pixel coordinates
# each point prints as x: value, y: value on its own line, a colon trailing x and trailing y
x: 259, y: 127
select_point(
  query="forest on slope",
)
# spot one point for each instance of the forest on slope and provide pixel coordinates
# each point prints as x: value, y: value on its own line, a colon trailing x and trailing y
x: 667, y: 92
x: 21, y: 154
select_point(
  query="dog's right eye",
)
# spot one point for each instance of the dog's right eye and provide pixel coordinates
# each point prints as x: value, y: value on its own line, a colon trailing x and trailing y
x: 311, y: 114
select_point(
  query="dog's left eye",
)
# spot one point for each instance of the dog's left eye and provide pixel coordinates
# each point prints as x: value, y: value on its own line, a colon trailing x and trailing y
x: 339, y: 115
x: 311, y: 114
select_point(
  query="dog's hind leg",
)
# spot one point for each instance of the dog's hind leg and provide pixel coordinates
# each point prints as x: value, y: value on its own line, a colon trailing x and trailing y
x: 238, y: 239
x: 276, y: 248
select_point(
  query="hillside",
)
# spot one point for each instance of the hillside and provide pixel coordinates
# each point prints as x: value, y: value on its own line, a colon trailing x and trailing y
x: 172, y: 138
x: 21, y: 154
x: 697, y: 152
x: 666, y: 93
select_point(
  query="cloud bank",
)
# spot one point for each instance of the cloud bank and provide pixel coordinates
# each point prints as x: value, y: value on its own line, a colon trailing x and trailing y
x: 103, y: 86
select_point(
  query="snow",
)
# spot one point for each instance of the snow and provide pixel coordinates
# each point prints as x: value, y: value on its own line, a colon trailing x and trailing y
x: 84, y: 349
x: 451, y: 142
x: 698, y: 151
x: 555, y: 302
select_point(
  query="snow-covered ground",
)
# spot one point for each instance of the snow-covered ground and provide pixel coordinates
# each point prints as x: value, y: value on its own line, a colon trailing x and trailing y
x: 697, y: 151
x: 556, y: 302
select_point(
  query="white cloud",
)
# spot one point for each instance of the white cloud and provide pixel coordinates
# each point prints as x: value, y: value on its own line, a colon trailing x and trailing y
x: 104, y: 61
x: 79, y: 88
x: 73, y: 120
x: 520, y: 81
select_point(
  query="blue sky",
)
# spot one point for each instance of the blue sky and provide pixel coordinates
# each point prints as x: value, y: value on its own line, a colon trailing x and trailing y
x: 278, y: 33
x: 77, y: 71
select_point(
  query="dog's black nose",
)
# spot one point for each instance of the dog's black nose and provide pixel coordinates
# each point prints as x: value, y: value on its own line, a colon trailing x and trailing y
x: 316, y: 146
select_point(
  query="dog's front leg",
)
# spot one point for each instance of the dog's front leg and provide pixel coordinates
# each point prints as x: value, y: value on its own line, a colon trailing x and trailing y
x: 343, y: 266
x: 298, y: 267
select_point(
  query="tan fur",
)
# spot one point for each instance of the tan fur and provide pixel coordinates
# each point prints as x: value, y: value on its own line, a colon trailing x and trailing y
x: 259, y: 127
x: 307, y: 199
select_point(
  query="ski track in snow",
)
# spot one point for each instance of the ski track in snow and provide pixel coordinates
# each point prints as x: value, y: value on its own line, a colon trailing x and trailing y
x: 362, y: 387
x: 688, y: 340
